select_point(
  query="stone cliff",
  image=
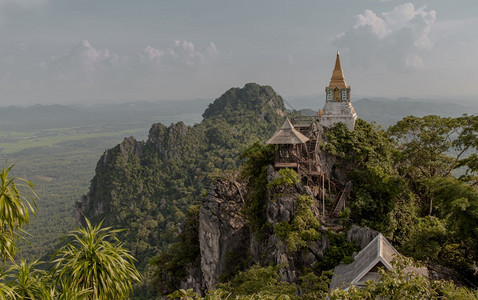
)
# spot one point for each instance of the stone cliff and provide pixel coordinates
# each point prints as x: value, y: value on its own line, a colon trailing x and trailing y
x: 227, y: 241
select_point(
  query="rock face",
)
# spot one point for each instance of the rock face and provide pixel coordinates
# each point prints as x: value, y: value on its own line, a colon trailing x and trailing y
x: 168, y: 140
x: 361, y: 236
x: 224, y: 233
x: 88, y: 206
x: 223, y: 229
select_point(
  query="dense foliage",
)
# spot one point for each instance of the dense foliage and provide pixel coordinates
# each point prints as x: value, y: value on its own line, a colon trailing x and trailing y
x: 391, y: 195
x: 367, y: 156
x: 256, y: 158
x: 405, y: 186
x: 302, y: 229
x: 93, y: 265
x: 172, y: 263
x: 148, y: 187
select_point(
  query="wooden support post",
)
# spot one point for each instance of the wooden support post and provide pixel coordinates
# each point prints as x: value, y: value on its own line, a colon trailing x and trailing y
x: 323, y: 193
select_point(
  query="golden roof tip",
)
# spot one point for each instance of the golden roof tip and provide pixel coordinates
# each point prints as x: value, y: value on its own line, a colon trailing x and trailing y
x: 338, y: 79
x: 337, y: 62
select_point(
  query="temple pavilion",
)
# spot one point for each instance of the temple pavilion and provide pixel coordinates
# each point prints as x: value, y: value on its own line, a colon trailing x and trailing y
x: 298, y: 142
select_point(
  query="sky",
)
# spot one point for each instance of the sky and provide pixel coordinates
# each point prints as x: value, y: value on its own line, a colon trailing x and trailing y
x: 87, y: 51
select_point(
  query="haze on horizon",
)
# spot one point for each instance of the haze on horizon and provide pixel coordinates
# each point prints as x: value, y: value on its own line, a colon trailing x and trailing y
x: 65, y: 51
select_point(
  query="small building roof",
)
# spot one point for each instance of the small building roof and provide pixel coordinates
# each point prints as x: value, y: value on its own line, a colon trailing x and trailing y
x: 287, y: 135
x: 378, y: 253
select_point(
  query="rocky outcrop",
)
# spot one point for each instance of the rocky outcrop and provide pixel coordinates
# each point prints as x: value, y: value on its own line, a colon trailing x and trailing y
x: 168, y: 140
x: 194, y: 280
x: 129, y: 146
x: 261, y: 99
x: 362, y: 236
x: 103, y: 181
x: 223, y: 229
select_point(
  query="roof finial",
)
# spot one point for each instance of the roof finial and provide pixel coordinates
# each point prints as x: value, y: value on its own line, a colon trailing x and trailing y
x: 337, y: 61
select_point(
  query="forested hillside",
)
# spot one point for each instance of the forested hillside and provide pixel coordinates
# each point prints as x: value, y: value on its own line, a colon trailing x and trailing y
x: 260, y: 234
x: 184, y: 178
x: 57, y: 147
x: 147, y: 187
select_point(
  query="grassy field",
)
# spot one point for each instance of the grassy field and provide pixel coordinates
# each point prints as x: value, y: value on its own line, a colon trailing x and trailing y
x: 12, y: 142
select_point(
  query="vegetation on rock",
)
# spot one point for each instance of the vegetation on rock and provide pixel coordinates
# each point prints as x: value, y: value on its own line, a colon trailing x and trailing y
x: 149, y: 186
x: 303, y: 228
x: 387, y: 197
x: 416, y: 183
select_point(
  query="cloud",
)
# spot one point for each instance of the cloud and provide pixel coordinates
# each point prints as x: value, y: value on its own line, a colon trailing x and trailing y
x: 180, y: 52
x: 86, y: 65
x: 151, y: 54
x: 396, y: 39
x: 83, y: 64
x: 89, y: 71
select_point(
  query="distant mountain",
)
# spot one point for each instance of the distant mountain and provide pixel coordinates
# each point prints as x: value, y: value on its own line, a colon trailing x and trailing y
x: 386, y: 111
x: 53, y: 116
x: 381, y: 110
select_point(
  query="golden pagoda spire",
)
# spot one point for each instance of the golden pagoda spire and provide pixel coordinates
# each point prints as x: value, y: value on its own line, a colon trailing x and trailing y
x: 337, y: 62
x: 338, y: 79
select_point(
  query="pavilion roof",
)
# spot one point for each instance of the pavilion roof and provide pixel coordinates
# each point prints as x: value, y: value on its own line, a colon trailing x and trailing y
x: 287, y: 134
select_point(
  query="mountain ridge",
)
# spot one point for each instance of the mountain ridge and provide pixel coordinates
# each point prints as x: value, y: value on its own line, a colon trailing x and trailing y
x: 149, y: 185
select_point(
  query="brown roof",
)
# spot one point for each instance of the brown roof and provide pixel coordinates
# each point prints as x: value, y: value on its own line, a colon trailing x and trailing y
x: 338, y: 79
x: 287, y: 135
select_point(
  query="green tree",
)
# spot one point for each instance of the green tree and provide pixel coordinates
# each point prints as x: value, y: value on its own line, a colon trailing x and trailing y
x: 434, y: 146
x: 257, y: 279
x: 28, y: 282
x: 173, y: 263
x: 6, y: 292
x: 425, y: 144
x: 183, y: 294
x: 457, y: 202
x: 91, y: 262
x: 427, y: 238
x: 256, y: 158
x: 313, y: 286
x: 366, y: 154
x: 287, y: 178
x: 17, y: 201
x: 339, y: 250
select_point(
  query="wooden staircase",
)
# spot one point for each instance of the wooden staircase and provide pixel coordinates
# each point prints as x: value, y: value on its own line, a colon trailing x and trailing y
x: 339, y: 202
